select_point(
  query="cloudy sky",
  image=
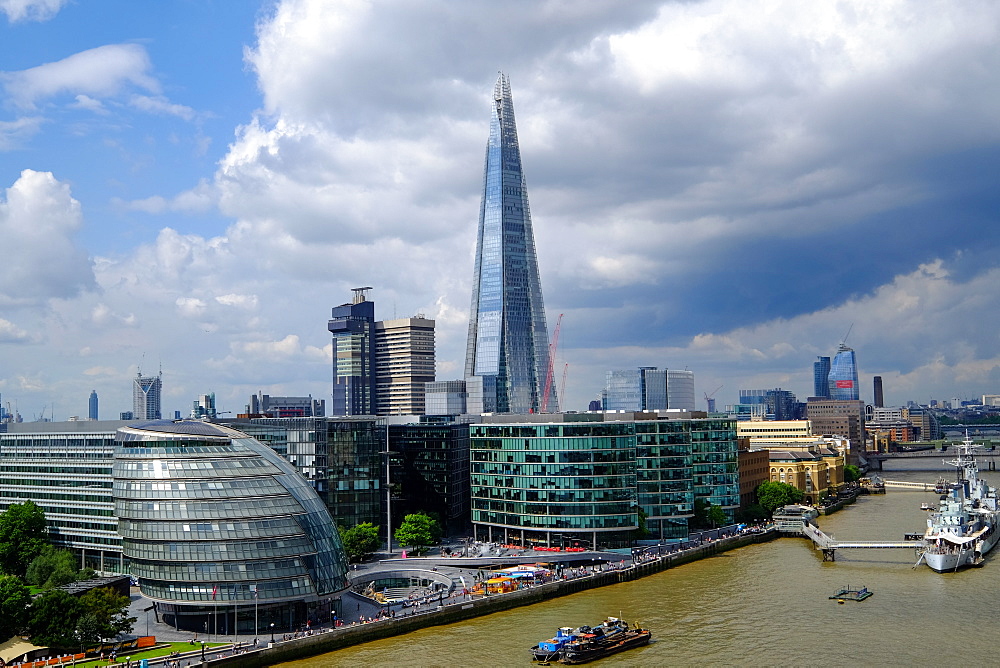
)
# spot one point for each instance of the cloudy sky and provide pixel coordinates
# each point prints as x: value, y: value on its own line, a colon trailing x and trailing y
x: 722, y: 186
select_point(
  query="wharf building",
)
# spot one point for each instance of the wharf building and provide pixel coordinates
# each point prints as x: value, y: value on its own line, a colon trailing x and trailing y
x: 147, y: 392
x: 581, y: 479
x: 648, y: 389
x: 817, y: 472
x: 213, y: 521
x: 507, y: 356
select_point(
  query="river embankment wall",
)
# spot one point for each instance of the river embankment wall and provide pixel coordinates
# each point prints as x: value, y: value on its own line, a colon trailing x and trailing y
x: 345, y: 636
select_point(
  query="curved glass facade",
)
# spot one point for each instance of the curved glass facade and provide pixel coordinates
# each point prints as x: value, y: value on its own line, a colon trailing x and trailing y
x: 212, y: 518
x: 843, y: 379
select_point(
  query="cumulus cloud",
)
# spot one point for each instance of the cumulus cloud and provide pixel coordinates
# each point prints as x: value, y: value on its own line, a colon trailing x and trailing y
x: 11, y: 333
x: 30, y: 10
x: 39, y: 220
x: 98, y: 72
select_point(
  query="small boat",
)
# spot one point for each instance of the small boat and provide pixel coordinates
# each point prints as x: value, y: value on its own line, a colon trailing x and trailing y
x: 610, y: 637
x: 850, y: 594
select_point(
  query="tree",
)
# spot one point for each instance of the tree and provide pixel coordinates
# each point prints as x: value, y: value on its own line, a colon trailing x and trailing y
x: 53, y: 568
x: 360, y: 540
x: 852, y: 473
x: 716, y: 516
x: 109, y: 609
x: 15, y: 600
x: 53, y: 619
x: 773, y: 495
x: 418, y: 530
x: 23, y: 536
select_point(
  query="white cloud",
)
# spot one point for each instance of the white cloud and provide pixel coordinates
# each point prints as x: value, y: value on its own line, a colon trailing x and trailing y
x: 11, y: 333
x: 30, y: 10
x: 161, y: 105
x: 13, y: 133
x: 98, y: 72
x: 38, y: 222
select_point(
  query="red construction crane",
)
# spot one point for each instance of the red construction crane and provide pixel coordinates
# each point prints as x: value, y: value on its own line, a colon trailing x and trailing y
x: 552, y: 359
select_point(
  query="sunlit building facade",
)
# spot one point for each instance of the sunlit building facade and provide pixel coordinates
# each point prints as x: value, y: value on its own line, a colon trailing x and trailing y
x: 844, y: 375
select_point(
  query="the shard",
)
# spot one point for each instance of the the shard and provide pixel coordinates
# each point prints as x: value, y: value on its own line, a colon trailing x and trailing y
x: 507, y: 358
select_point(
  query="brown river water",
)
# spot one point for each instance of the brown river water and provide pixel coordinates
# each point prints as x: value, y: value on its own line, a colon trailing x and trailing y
x: 763, y: 605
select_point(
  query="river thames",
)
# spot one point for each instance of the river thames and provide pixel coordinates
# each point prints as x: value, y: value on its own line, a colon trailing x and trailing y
x: 763, y: 605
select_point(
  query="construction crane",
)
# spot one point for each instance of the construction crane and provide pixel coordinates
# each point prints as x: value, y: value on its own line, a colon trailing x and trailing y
x: 552, y: 359
x: 710, y: 400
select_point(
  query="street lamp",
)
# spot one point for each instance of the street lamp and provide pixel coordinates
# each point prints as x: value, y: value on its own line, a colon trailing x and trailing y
x: 203, y: 651
x: 272, y: 633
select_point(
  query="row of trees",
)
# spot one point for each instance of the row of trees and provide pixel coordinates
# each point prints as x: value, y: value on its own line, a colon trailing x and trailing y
x: 417, y: 531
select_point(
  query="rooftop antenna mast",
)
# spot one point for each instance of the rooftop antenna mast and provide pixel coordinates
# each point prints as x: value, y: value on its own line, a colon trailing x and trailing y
x: 360, y: 294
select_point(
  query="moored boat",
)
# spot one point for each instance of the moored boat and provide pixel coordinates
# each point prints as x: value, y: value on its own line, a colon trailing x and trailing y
x: 548, y: 650
x: 610, y: 637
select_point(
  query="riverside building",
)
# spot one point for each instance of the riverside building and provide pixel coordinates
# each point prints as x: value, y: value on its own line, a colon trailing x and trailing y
x: 219, y: 529
x: 581, y: 479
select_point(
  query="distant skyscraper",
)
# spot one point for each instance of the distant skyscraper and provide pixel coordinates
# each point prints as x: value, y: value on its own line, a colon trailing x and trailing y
x: 146, y: 392
x: 844, y: 375
x: 92, y: 414
x: 879, y: 400
x: 648, y: 389
x: 352, y: 326
x: 204, y: 407
x: 821, y: 377
x: 507, y: 356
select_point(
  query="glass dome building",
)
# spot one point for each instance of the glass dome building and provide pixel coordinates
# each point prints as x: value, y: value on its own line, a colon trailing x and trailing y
x: 219, y: 529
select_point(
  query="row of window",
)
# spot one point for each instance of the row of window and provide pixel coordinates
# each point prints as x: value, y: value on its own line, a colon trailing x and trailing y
x: 211, y: 551
x: 225, y: 571
x: 216, y: 531
x: 604, y: 522
x: 577, y: 482
x: 261, y: 507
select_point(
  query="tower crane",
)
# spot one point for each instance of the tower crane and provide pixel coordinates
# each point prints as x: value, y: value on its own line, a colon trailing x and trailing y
x: 548, y: 372
x: 710, y: 400
x: 562, y: 385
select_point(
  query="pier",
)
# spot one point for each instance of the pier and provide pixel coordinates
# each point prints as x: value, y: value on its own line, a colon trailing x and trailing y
x: 829, y: 545
x: 988, y: 457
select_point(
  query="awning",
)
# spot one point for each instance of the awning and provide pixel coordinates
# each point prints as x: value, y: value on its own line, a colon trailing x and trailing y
x: 15, y: 648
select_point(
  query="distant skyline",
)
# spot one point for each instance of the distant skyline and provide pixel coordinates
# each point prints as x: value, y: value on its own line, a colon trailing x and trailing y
x: 719, y: 186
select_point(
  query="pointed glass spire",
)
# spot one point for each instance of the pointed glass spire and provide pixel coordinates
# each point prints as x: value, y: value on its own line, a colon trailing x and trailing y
x: 508, y: 338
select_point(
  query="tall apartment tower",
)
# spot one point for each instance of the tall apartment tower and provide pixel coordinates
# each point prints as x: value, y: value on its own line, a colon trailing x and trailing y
x: 507, y: 355
x: 844, y: 375
x: 821, y: 378
x: 879, y: 399
x: 92, y: 412
x: 404, y: 361
x: 146, y: 394
x: 353, y: 329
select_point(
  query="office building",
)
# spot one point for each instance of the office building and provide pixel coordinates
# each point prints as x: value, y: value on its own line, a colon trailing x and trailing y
x: 404, y: 363
x: 877, y: 387
x: 821, y: 378
x: 445, y: 397
x: 844, y: 375
x: 218, y: 528
x: 508, y: 344
x: 353, y: 329
x: 833, y: 417
x: 204, y: 407
x: 649, y: 389
x: 266, y: 405
x: 146, y: 395
x: 92, y: 412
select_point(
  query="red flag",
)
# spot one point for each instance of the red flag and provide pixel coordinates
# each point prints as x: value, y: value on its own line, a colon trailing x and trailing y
x: 215, y: 589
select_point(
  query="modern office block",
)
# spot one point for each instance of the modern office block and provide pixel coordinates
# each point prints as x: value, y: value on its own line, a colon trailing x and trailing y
x: 404, y: 363
x: 445, y: 397
x: 146, y: 394
x: 648, y: 388
x: 680, y: 389
x: 821, y: 378
x: 204, y: 407
x: 844, y: 375
x: 352, y: 326
x: 217, y: 526
x: 285, y: 407
x: 508, y: 337
x: 877, y: 388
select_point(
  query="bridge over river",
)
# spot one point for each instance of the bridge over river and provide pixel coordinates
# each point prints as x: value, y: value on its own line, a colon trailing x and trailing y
x: 829, y: 545
x: 987, y: 458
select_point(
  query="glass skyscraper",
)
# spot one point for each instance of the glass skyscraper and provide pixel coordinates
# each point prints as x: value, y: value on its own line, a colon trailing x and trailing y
x: 844, y: 375
x: 353, y: 327
x: 508, y: 346
x: 821, y: 377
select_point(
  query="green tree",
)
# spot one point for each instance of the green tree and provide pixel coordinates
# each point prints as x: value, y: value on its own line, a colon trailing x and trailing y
x: 53, y: 618
x: 53, y: 568
x: 716, y: 516
x: 699, y: 518
x: 773, y: 495
x: 23, y: 536
x: 109, y: 609
x: 15, y: 600
x: 852, y: 473
x: 418, y: 530
x: 753, y: 512
x: 642, y: 530
x: 360, y: 540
